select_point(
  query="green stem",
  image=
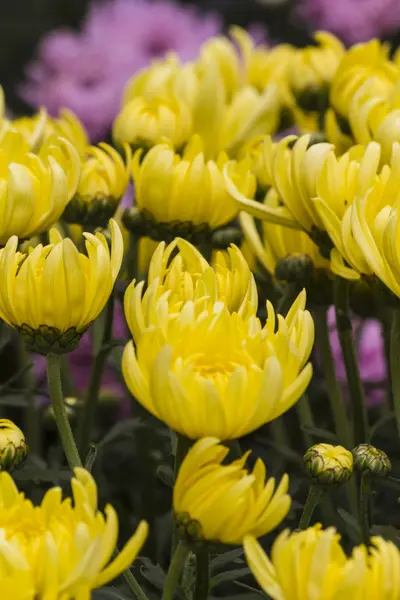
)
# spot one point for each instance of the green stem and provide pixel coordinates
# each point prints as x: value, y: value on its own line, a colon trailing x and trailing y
x: 132, y: 266
x: 365, y: 490
x: 134, y: 585
x: 334, y: 392
x: 60, y: 414
x: 315, y: 494
x: 395, y: 364
x: 306, y: 418
x: 279, y: 433
x: 343, y: 323
x: 175, y: 570
x: 202, y: 573
x: 182, y: 445
x: 92, y: 398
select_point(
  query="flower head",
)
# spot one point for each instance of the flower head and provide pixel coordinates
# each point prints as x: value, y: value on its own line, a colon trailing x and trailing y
x: 53, y: 293
x: 34, y: 188
x: 104, y: 180
x: 178, y: 273
x: 217, y: 373
x: 58, y: 549
x: 225, y: 502
x: 328, y: 464
x: 305, y: 564
x: 369, y: 459
x: 79, y: 71
x: 186, y: 193
x: 13, y: 446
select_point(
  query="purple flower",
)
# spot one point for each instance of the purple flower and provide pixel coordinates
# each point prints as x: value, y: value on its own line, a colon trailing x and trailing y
x: 371, y: 357
x: 352, y: 20
x: 86, y: 71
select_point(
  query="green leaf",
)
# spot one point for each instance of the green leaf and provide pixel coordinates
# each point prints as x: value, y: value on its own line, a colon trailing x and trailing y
x: 229, y: 576
x: 388, y: 532
x: 166, y: 474
x: 224, y: 559
x: 320, y: 434
x: 109, y: 593
x: 91, y: 457
x: 353, y: 528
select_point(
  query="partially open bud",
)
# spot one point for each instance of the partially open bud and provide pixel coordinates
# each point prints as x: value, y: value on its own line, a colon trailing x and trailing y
x: 327, y: 464
x: 371, y: 460
x: 13, y: 446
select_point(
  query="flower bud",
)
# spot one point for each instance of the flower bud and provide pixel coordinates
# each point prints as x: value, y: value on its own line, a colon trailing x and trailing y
x: 13, y: 446
x: 298, y: 268
x: 369, y: 459
x: 328, y: 465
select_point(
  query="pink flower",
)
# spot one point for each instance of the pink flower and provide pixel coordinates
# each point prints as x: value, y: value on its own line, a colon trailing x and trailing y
x: 86, y: 71
x: 371, y: 357
x: 352, y: 20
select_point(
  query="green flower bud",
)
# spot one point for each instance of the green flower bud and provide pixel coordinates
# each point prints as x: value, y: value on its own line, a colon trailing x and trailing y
x: 13, y: 446
x: 297, y: 268
x: 369, y: 459
x: 328, y: 465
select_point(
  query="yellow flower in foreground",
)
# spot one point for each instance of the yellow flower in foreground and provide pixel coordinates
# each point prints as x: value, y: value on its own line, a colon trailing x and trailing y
x: 58, y: 550
x: 188, y: 276
x: 34, y: 188
x: 53, y: 293
x: 104, y: 180
x: 224, y: 503
x: 311, y: 564
x: 13, y: 446
x: 307, y: 565
x: 187, y: 190
x: 216, y: 373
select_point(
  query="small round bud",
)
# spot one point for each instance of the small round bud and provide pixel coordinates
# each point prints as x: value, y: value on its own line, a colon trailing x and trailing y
x: 328, y: 465
x: 13, y: 446
x: 297, y: 268
x: 369, y: 459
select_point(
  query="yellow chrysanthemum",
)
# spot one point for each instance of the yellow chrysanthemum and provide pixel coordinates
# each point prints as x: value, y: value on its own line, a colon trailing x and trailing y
x: 53, y: 293
x: 220, y: 374
x: 142, y: 122
x: 278, y: 243
x: 34, y: 188
x: 307, y: 564
x: 13, y: 446
x: 59, y: 550
x: 103, y: 181
x: 225, y: 502
x: 383, y: 575
x: 312, y: 69
x: 188, y: 276
x: 171, y: 189
x: 362, y: 62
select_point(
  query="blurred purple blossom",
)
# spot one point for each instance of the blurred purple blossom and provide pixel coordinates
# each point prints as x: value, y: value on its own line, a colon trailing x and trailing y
x: 371, y: 357
x: 86, y: 71
x: 352, y: 20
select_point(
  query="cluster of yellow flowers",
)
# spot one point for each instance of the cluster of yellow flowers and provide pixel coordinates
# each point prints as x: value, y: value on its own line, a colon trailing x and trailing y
x: 199, y: 141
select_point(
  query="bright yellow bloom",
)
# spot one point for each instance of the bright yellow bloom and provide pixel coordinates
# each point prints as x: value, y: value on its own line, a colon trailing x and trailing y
x: 145, y: 123
x: 292, y: 167
x: 188, y: 276
x: 53, y: 293
x: 104, y: 180
x: 189, y: 189
x: 229, y: 124
x: 226, y: 502
x: 363, y: 62
x: 307, y: 565
x: 328, y: 464
x: 13, y: 446
x: 383, y: 575
x: 57, y: 550
x: 41, y: 128
x: 216, y: 373
x: 278, y: 243
x: 34, y: 188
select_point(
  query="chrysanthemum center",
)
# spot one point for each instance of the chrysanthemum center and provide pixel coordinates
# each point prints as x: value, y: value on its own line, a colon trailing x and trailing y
x: 213, y: 365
